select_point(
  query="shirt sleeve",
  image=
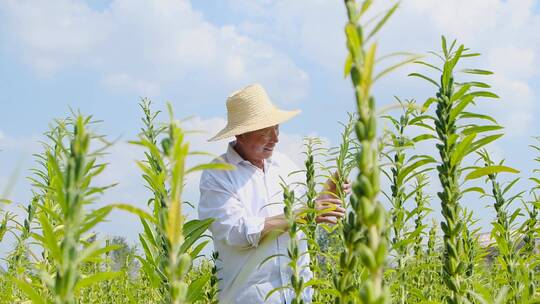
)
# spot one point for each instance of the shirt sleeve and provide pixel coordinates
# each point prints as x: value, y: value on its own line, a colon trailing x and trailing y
x: 231, y: 222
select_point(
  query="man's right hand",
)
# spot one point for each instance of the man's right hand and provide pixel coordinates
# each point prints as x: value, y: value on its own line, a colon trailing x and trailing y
x: 329, y: 210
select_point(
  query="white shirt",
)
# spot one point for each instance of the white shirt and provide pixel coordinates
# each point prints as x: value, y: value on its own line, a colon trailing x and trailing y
x: 239, y: 201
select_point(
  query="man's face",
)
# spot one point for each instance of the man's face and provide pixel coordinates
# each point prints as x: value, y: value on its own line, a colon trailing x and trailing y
x: 259, y: 144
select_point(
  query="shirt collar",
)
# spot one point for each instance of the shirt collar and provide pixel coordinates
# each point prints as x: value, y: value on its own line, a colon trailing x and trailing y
x: 234, y: 158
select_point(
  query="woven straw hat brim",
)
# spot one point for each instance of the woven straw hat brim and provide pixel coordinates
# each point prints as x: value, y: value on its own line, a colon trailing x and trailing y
x: 275, y: 117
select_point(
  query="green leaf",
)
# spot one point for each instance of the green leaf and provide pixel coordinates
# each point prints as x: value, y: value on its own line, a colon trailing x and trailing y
x: 477, y: 71
x: 383, y: 20
x: 148, y: 232
x: 427, y: 103
x: 195, y: 252
x: 477, y: 84
x: 30, y: 291
x: 369, y: 61
x: 423, y: 137
x: 476, y: 116
x: 94, y: 218
x: 474, y: 189
x: 444, y: 46
x: 461, y: 149
x: 196, y: 288
x: 460, y: 107
x: 455, y: 59
x: 480, y: 129
x: 408, y: 169
x: 134, y: 210
x: 51, y: 242
x: 457, y: 95
x: 271, y: 292
x: 194, y: 225
x: 483, y: 171
x: 425, y: 78
x: 365, y: 6
x: 536, y: 180
x: 510, y: 185
x: 470, y: 55
x: 428, y: 65
x: 482, y: 142
x: 268, y: 258
x: 483, y: 94
x: 93, y: 251
x: 394, y: 67
x: 193, y: 231
x: 348, y: 66
x: 353, y: 40
x: 211, y: 166
x: 97, y: 277
x: 420, y: 119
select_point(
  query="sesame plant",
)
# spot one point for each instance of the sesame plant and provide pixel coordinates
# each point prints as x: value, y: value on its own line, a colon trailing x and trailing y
x: 170, y: 242
x: 297, y: 284
x: 421, y: 210
x: 309, y: 227
x: 343, y: 158
x: 364, y: 226
x: 457, y: 138
x: 402, y: 170
x: 63, y: 218
x: 504, y: 233
x: 211, y: 295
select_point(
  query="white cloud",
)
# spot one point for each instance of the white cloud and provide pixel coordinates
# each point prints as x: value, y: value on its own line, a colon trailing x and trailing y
x: 125, y: 82
x: 55, y: 33
x: 313, y: 28
x: 515, y: 110
x: 134, y: 41
x: 512, y: 61
x: 460, y: 18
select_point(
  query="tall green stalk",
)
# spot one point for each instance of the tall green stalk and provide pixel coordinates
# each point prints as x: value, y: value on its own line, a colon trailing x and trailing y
x: 403, y: 169
x: 310, y: 225
x: 62, y: 215
x: 363, y: 229
x: 421, y: 210
x: 169, y: 241
x: 344, y: 158
x: 455, y: 142
x: 297, y: 284
x: 400, y: 171
x: 211, y: 296
x: 313, y: 151
x: 509, y: 260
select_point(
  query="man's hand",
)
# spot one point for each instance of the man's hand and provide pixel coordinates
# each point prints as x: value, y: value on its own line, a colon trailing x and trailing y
x: 330, y: 188
x: 329, y: 210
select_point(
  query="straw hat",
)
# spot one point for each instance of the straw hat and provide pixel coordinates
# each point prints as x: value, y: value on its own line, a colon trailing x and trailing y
x: 250, y: 109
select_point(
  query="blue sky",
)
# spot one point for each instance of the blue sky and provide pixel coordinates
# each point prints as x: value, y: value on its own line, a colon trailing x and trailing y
x: 102, y: 56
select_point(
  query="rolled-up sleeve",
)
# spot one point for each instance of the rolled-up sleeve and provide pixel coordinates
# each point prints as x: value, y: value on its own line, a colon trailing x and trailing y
x: 231, y: 222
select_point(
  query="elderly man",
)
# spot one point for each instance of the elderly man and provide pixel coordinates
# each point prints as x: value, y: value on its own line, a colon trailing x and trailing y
x: 246, y: 203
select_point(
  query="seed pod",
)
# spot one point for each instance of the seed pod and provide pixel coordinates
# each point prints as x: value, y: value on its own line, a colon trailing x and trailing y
x: 360, y: 129
x: 372, y: 127
x: 166, y: 145
x: 367, y: 256
x: 367, y: 292
x: 184, y: 264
